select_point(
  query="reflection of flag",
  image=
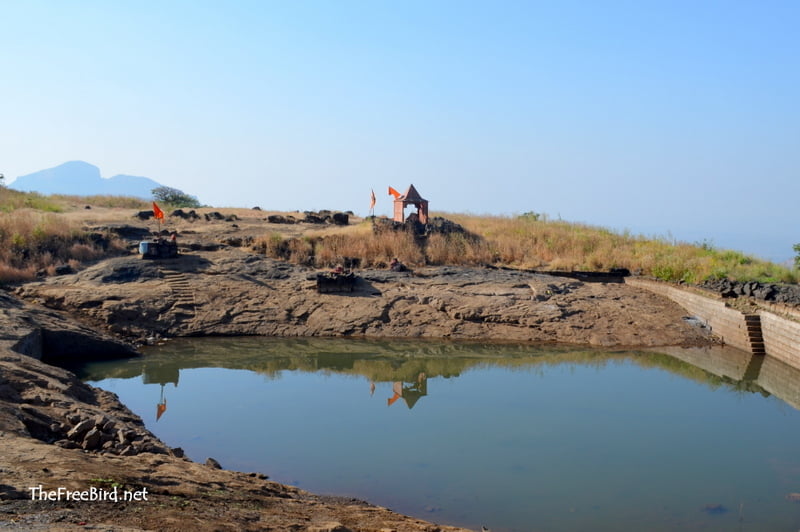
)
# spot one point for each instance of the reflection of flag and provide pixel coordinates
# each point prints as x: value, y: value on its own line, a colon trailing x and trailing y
x: 161, y: 407
x: 158, y: 213
x: 372, y: 199
x: 394, y: 193
x: 397, y: 388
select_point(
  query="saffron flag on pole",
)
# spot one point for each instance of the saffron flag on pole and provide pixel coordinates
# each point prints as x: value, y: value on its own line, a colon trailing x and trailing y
x: 158, y: 214
x: 372, y: 200
x: 394, y: 193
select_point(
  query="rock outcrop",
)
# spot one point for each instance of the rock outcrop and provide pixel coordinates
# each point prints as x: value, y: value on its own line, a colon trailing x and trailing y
x: 43, y: 333
x: 51, y: 405
x: 233, y: 292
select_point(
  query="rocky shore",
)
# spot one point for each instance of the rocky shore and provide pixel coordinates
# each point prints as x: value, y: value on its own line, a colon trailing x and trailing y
x: 58, y: 432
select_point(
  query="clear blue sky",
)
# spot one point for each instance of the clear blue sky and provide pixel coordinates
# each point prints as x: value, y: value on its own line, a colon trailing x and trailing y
x: 663, y: 117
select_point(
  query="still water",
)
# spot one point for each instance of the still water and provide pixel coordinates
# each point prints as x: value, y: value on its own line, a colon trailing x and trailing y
x: 510, y: 437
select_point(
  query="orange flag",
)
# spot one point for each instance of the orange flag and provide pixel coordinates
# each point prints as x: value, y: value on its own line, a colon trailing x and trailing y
x: 394, y: 193
x: 372, y: 200
x: 158, y: 213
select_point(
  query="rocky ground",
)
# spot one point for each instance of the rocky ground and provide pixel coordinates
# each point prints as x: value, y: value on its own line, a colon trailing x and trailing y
x: 235, y: 292
x: 770, y: 292
x: 58, y: 432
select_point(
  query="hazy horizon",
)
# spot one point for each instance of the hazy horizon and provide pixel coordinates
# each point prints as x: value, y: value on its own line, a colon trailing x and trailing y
x: 663, y: 118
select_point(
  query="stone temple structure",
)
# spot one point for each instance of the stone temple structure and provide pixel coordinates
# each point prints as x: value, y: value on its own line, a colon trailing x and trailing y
x: 411, y: 197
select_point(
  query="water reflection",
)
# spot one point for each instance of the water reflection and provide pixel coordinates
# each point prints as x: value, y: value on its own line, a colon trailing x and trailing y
x: 515, y: 437
x: 411, y: 391
x: 408, y: 365
x: 161, y: 406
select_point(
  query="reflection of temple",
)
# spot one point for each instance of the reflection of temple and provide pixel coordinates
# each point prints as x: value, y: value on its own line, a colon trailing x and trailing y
x: 410, y: 392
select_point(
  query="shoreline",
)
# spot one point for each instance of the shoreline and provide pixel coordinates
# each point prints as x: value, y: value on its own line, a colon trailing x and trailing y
x: 237, y: 293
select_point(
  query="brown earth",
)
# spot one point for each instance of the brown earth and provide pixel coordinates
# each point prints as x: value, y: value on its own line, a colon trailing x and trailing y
x: 58, y: 432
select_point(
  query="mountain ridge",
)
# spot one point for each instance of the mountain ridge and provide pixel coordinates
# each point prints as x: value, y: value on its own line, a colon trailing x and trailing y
x: 80, y: 178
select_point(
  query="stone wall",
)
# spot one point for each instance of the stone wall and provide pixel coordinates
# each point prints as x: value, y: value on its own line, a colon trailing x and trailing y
x: 781, y: 337
x: 726, y: 323
x: 779, y: 325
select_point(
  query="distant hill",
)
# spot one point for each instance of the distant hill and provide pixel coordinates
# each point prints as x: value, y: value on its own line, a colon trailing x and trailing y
x: 83, y: 179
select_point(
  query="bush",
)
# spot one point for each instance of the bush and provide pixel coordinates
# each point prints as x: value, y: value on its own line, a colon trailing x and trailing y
x: 174, y: 197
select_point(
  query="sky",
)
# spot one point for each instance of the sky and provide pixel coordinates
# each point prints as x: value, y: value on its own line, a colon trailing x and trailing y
x: 668, y: 118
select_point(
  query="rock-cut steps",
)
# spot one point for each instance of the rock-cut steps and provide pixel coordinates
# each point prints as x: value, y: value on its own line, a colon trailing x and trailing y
x: 182, y: 291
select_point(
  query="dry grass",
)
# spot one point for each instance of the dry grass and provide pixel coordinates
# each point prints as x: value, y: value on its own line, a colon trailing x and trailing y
x: 112, y: 202
x: 11, y: 200
x: 527, y: 243
x: 557, y: 245
x: 32, y: 242
x: 338, y: 247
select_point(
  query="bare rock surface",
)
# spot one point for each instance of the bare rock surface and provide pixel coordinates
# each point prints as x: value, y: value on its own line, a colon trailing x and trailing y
x: 34, y: 330
x: 233, y: 292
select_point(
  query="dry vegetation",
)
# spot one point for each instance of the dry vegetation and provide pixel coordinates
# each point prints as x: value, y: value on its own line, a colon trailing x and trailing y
x: 115, y: 202
x: 34, y: 239
x: 527, y: 242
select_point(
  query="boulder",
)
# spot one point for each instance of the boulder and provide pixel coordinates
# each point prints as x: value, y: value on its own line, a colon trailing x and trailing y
x: 180, y: 213
x: 80, y: 430
x: 125, y: 231
x: 64, y: 269
x: 92, y: 439
x: 278, y: 219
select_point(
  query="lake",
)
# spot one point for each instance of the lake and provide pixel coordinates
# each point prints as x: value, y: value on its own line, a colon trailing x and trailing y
x: 505, y: 436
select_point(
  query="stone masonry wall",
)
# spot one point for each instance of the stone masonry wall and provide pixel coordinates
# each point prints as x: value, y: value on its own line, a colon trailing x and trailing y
x: 781, y: 337
x: 726, y: 323
x: 779, y: 324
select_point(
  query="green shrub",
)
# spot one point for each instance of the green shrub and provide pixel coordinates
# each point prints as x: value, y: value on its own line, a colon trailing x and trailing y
x: 174, y: 197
